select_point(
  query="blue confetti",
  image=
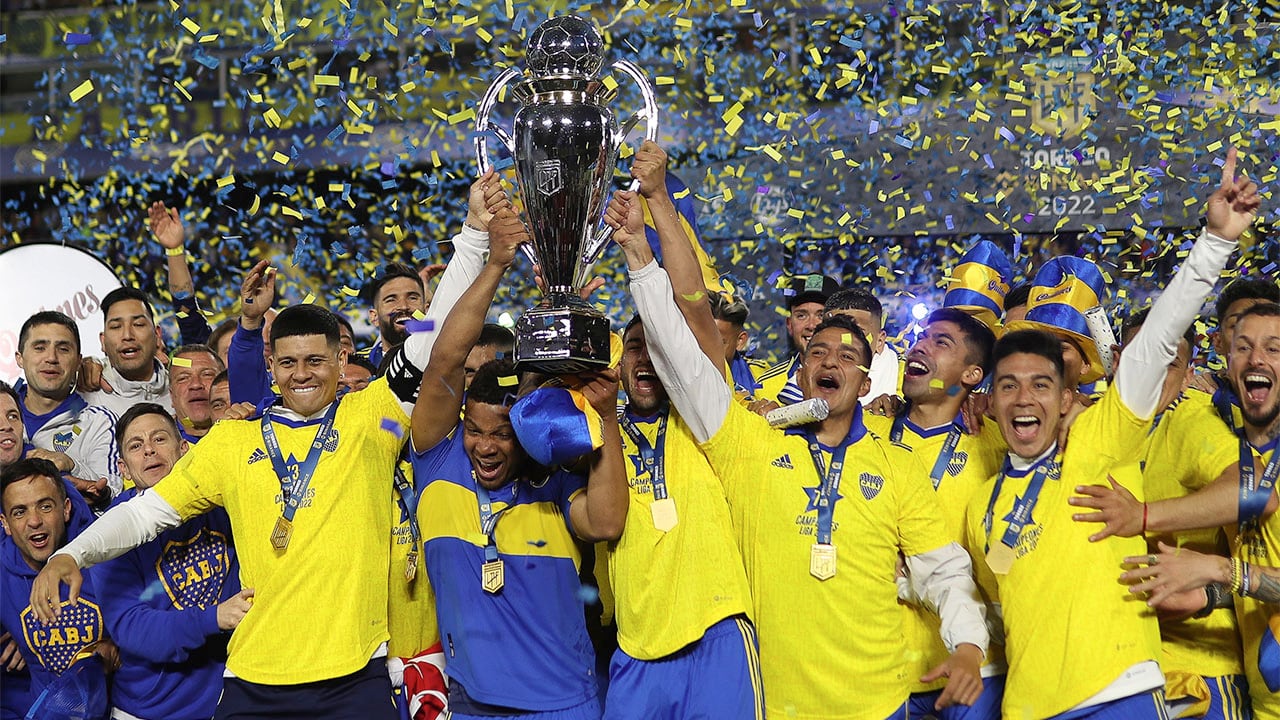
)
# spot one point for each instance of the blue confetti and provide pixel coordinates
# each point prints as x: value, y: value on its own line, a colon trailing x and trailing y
x: 418, y: 326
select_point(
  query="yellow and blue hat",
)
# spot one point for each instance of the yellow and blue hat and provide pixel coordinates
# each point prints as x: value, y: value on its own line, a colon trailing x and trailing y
x: 1062, y: 291
x: 556, y: 425
x: 979, y: 283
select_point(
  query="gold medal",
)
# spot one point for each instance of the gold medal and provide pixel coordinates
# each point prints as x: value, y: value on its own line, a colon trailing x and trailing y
x: 281, y: 534
x: 822, y: 561
x: 491, y: 576
x: 411, y: 565
x: 1000, y: 558
x: 664, y: 514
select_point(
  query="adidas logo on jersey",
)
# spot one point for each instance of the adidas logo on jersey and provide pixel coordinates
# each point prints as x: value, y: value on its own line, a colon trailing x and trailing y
x: 784, y: 462
x: 257, y: 455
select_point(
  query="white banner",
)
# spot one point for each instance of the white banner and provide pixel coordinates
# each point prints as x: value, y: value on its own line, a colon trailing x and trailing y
x: 50, y: 277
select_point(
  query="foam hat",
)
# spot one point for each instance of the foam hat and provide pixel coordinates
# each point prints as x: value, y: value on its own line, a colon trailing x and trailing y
x: 979, y: 283
x: 1062, y: 291
x: 556, y: 425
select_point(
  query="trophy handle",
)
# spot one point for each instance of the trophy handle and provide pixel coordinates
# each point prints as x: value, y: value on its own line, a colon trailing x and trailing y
x: 650, y: 114
x: 484, y: 125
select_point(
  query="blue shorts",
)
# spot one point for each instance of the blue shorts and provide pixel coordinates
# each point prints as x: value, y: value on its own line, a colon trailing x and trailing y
x: 364, y: 694
x: 718, y: 676
x: 589, y: 710
x: 920, y: 706
x: 1145, y: 706
x: 1228, y: 699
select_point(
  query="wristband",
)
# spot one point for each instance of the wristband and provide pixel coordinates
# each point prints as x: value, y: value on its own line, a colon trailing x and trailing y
x: 1144, y: 517
x: 1235, y: 575
x: 175, y: 252
x: 1212, y: 594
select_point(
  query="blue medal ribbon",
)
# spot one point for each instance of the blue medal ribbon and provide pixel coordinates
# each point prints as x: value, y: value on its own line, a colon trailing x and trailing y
x: 408, y: 503
x: 294, y: 485
x: 489, y: 518
x: 944, y: 455
x: 1224, y: 401
x: 1022, y: 507
x: 653, y: 457
x: 828, y: 487
x: 1254, y: 494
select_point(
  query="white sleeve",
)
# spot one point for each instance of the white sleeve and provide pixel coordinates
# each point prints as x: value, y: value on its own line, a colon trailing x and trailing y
x: 470, y: 250
x: 121, y: 529
x: 95, y: 450
x: 695, y: 386
x: 943, y: 580
x: 1143, y: 363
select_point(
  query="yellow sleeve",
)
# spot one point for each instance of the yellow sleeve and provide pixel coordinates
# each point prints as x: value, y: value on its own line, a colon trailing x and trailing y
x: 920, y: 525
x: 1108, y: 433
x: 1196, y: 433
x: 195, y: 485
x: 976, y: 541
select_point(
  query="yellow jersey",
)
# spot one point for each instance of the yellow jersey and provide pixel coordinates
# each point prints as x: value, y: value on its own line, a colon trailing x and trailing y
x: 669, y: 587
x: 411, y: 604
x: 1253, y: 615
x: 820, y: 638
x: 1187, y: 449
x: 323, y: 599
x: 772, y: 380
x: 1071, y: 629
x: 974, y: 459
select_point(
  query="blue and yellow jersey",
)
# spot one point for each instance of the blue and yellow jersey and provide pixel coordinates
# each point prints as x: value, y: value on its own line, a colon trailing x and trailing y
x: 1262, y: 547
x: 976, y: 458
x: 524, y: 646
x: 744, y: 373
x: 819, y: 638
x: 773, y: 379
x: 411, y: 609
x: 299, y: 610
x: 669, y: 587
x: 1059, y: 580
x: 1188, y: 448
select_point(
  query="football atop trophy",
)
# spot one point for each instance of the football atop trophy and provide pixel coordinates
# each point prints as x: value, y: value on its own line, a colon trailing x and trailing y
x: 563, y: 46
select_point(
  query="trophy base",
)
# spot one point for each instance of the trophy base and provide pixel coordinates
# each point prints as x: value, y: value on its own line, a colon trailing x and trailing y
x: 562, y: 339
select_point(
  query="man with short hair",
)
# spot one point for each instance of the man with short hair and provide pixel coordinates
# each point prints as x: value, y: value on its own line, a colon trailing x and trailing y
x: 495, y: 342
x: 219, y: 396
x: 65, y: 429
x: 192, y: 369
x: 865, y: 309
x: 36, y: 512
x: 1015, y: 303
x: 395, y: 297
x: 130, y: 340
x: 805, y: 295
x: 357, y: 374
x: 731, y: 320
x: 172, y: 637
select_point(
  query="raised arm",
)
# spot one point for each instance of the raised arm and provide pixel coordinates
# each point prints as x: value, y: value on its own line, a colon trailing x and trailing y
x: 247, y: 375
x: 168, y: 230
x: 694, y: 383
x: 599, y: 513
x: 435, y: 413
x: 1231, y: 209
x: 650, y: 168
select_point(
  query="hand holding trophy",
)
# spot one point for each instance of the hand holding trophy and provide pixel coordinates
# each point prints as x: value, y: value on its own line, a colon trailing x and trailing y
x: 564, y: 142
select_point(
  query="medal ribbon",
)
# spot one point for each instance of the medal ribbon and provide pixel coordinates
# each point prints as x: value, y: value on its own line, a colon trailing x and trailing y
x: 294, y: 486
x: 408, y: 503
x: 944, y: 455
x: 654, y: 457
x: 828, y: 488
x: 489, y: 519
x: 1021, y: 509
x: 1253, y: 500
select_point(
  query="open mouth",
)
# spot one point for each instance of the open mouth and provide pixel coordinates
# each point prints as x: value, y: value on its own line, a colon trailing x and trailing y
x: 1025, y: 427
x: 305, y: 389
x: 646, y: 380
x: 915, y: 368
x: 1257, y: 387
x: 827, y: 382
x: 154, y: 466
x: 38, y: 541
x: 8, y: 443
x: 488, y: 471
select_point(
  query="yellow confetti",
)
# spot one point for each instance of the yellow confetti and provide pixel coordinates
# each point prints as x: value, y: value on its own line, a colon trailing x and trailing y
x: 81, y: 90
x: 327, y: 80
x: 508, y: 380
x: 310, y: 298
x: 180, y: 362
x: 280, y: 157
x: 692, y: 297
x: 191, y: 26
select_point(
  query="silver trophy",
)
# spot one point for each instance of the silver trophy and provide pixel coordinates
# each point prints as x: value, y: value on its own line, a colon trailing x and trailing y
x: 564, y: 142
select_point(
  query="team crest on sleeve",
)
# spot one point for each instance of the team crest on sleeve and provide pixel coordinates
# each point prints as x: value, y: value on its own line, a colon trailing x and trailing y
x: 870, y: 485
x: 57, y: 644
x: 957, y: 463
x: 193, y: 571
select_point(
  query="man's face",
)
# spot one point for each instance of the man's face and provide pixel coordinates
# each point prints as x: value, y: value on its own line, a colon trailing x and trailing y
x: 1074, y: 364
x: 345, y: 340
x: 35, y: 516
x: 732, y: 337
x: 223, y: 347
x: 397, y: 300
x: 1253, y: 366
x: 938, y: 365
x: 355, y: 378
x: 150, y: 450
x: 190, y: 388
x: 10, y: 431
x: 490, y: 443
x: 645, y: 393
x: 50, y: 360
x: 801, y: 322
x: 1227, y: 327
x: 219, y: 400
x: 1028, y: 400
x: 869, y: 323
x: 834, y: 368
x: 306, y: 369
x: 130, y: 339
x: 479, y: 355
